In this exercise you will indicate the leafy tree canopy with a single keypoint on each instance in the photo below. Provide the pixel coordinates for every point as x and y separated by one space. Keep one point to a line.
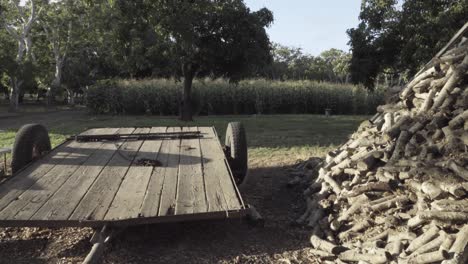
399 36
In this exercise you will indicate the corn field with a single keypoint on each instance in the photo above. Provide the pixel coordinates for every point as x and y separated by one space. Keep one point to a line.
219 97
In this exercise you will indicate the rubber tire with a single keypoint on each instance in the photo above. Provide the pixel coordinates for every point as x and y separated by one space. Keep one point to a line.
236 142
31 142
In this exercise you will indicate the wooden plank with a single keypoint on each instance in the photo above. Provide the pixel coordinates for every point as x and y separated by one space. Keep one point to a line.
30 201
168 199
221 191
191 189
19 183
129 198
95 203
102 131
214 193
151 201
63 202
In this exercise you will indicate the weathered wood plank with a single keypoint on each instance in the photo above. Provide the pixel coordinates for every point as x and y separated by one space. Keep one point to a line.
64 201
95 203
30 201
212 166
217 162
151 201
101 131
190 191
200 203
129 198
169 186
11 189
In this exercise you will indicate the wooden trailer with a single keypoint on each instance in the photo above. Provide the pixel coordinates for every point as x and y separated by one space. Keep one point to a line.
108 178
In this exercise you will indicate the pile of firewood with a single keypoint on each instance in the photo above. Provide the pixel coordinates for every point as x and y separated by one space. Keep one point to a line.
397 191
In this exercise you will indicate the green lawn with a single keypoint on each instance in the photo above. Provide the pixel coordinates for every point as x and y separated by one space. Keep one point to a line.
271 138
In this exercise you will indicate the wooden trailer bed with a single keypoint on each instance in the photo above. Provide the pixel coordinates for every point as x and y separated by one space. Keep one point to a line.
124 182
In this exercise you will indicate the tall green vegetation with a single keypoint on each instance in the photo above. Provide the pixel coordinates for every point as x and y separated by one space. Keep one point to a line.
210 97
398 37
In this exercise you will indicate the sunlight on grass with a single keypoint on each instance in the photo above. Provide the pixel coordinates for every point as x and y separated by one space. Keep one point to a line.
271 138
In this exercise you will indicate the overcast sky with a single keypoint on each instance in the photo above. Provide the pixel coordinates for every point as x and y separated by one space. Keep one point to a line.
313 25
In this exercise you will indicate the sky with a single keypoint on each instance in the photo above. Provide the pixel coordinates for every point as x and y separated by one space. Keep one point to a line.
313 25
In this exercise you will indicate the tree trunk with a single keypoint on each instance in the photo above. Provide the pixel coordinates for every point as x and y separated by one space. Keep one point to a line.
57 80
14 95
186 107
71 97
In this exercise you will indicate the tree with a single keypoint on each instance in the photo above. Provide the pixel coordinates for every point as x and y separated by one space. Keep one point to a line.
220 38
397 37
18 23
57 24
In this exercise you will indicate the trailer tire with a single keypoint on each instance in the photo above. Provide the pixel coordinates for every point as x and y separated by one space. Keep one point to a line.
31 142
236 151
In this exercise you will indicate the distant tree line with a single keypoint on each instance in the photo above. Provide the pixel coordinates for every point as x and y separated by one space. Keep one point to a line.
293 64
395 38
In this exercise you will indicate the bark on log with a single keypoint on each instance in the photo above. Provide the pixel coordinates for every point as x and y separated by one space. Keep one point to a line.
459 120
369 187
397 201
409 88
428 101
430 257
333 184
321 253
431 189
353 255
451 205
448 242
355 207
461 241
451 83
444 216
415 222
370 161
326 246
431 245
400 145
395 130
459 170
423 238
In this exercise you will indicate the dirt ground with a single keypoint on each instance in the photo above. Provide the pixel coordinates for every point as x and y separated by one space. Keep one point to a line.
198 242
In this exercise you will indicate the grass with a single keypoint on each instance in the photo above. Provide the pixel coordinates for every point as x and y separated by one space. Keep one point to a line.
271 138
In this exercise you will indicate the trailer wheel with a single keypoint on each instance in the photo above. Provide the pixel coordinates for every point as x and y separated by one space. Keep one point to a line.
31 142
236 150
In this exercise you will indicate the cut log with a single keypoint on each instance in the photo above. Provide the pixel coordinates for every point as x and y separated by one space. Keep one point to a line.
353 255
423 239
451 83
395 130
459 170
397 201
326 246
431 245
444 216
369 187
431 257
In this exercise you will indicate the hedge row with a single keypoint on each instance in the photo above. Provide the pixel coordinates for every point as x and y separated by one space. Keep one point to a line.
219 97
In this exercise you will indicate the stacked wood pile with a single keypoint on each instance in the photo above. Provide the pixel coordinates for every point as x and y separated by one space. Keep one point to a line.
397 191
